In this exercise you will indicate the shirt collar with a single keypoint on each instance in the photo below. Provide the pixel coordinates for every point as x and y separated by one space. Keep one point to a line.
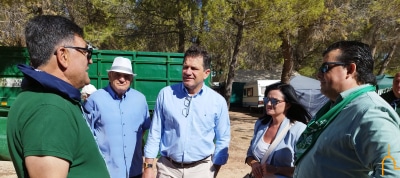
48 82
113 94
202 90
346 93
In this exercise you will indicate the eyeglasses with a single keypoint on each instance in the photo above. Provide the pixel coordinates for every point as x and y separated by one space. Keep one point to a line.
185 111
274 101
327 66
85 51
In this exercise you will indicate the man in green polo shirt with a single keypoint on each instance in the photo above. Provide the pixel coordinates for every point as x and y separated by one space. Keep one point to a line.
46 131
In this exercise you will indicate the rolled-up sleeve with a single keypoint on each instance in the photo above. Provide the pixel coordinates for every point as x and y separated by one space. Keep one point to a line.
377 132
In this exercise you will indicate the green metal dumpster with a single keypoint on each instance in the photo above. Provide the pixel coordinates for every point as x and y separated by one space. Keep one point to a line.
4 155
10 82
10 76
154 70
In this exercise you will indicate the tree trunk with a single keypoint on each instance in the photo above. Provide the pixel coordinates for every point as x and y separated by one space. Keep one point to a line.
287 52
373 49
387 58
373 42
181 33
232 65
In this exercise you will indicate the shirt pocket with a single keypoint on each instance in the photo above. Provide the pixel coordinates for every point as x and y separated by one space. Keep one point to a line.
205 121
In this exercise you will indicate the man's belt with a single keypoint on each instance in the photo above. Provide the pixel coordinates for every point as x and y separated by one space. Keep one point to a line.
186 165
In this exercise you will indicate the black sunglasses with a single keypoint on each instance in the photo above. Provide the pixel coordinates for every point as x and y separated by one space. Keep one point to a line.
274 101
326 66
88 50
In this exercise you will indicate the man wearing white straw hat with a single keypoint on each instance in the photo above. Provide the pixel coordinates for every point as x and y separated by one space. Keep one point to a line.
118 115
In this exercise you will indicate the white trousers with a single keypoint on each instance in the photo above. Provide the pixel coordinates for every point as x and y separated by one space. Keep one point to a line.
166 169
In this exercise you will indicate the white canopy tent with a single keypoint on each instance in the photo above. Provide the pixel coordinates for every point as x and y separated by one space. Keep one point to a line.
309 92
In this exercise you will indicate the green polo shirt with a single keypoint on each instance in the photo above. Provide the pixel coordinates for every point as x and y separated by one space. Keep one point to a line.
46 124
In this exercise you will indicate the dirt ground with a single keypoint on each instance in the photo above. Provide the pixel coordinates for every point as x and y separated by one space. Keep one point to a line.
242 123
7 170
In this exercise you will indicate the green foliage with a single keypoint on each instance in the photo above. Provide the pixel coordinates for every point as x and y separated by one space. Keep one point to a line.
172 25
167 25
308 71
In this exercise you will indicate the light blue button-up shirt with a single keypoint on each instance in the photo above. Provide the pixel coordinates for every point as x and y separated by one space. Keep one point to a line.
191 138
118 126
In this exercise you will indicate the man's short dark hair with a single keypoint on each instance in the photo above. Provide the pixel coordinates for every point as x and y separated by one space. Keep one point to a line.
195 51
43 33
358 53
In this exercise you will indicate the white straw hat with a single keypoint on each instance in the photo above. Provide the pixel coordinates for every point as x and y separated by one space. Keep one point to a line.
88 89
122 65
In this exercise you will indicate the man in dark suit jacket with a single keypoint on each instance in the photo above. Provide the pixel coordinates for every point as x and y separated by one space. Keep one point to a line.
393 96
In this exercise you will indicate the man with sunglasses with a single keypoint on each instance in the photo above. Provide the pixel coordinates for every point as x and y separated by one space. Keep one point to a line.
187 119
352 135
46 131
393 96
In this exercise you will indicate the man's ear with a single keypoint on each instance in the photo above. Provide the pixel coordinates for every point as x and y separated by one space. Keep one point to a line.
207 72
62 57
351 69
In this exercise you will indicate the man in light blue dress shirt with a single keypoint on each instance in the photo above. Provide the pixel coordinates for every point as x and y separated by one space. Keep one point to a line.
118 115
190 125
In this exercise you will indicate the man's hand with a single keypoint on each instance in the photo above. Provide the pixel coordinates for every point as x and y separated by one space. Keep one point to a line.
217 167
148 173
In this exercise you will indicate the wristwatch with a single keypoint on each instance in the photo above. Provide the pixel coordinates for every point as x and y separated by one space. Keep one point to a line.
147 165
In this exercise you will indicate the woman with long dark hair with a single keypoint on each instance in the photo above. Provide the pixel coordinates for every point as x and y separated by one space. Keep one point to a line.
284 120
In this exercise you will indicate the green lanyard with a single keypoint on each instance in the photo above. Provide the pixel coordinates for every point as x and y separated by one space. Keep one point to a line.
322 119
